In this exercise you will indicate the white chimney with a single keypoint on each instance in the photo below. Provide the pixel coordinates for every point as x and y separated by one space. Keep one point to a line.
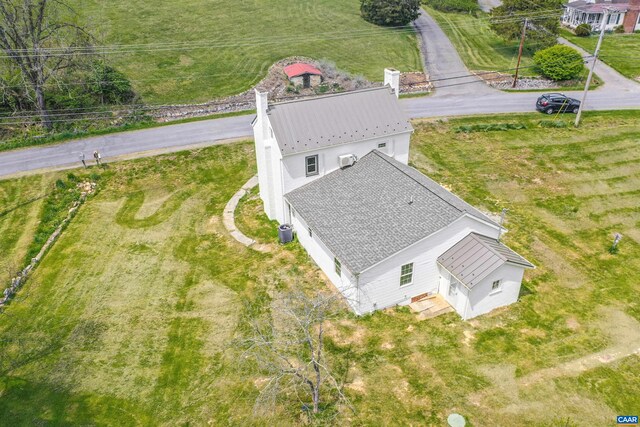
392 78
262 105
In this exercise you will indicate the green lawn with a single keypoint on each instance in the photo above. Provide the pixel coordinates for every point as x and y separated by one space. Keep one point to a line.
480 48
227 46
20 205
131 318
620 51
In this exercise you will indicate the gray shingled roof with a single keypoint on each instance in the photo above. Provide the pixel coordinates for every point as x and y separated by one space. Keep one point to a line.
364 213
599 5
310 124
476 256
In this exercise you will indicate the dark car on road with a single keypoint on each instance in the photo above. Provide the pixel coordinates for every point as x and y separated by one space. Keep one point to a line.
556 102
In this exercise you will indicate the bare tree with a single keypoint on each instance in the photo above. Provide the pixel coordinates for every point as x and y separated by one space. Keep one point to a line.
41 39
288 346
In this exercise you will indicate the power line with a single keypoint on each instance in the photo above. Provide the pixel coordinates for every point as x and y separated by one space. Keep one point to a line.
247 42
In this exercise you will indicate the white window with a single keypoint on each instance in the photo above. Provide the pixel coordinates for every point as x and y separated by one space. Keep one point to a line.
406 274
311 164
382 145
496 285
337 266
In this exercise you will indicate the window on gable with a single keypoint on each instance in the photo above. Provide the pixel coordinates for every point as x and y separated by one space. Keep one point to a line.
311 165
406 274
337 266
496 285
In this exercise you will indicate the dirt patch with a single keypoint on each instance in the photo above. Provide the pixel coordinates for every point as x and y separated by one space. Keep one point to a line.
573 324
345 332
387 346
468 337
357 385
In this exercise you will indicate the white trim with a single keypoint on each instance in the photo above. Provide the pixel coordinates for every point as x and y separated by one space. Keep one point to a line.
346 143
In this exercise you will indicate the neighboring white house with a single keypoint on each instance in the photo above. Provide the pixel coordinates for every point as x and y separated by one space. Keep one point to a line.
592 12
382 232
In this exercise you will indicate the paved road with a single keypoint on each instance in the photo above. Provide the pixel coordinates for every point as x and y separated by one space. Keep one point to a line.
441 61
472 97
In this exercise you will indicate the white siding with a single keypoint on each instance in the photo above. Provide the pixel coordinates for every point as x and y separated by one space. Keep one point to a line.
380 285
346 282
277 175
294 171
482 299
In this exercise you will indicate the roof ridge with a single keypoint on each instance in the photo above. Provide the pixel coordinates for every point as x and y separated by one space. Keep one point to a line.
331 95
476 236
388 160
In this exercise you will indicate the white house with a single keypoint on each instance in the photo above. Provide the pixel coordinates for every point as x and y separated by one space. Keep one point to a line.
300 141
592 12
383 233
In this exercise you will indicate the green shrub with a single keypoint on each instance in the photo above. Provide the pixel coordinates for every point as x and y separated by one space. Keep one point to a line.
469 6
619 29
552 124
559 62
489 127
583 30
390 13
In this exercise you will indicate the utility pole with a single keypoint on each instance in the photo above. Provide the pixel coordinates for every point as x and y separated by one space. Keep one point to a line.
524 33
593 65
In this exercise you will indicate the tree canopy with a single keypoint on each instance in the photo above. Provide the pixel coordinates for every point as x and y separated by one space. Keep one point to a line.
543 18
40 39
390 13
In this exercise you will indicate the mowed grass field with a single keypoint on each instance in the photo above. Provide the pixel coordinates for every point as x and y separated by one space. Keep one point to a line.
200 50
131 318
620 51
478 46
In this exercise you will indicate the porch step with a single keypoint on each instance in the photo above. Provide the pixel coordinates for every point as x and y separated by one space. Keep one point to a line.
430 314
430 307
422 305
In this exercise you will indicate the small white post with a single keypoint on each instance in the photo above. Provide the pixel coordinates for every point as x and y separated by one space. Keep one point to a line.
392 78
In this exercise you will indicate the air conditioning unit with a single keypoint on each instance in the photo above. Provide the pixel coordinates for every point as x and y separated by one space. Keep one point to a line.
347 160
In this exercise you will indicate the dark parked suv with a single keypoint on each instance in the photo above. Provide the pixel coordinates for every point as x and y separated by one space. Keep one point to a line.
553 102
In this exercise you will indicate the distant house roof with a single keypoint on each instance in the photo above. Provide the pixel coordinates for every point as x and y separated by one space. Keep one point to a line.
599 5
298 69
475 257
369 211
329 120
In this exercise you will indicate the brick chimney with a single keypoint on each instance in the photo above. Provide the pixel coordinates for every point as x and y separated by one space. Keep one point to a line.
631 17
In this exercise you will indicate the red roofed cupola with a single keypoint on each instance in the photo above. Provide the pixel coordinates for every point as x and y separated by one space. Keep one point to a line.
302 74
